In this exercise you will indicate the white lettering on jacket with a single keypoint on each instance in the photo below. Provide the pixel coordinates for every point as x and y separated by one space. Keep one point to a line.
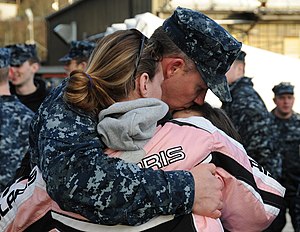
163 158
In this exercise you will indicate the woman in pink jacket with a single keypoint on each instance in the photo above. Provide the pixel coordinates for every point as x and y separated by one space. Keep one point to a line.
252 198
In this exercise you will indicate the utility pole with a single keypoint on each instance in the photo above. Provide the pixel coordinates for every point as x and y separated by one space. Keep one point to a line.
29 15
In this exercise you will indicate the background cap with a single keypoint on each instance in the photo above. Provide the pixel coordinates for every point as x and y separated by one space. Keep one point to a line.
241 56
4 57
208 44
283 88
79 49
21 53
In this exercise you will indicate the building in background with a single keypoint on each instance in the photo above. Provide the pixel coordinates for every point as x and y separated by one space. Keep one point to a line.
272 25
85 18
23 21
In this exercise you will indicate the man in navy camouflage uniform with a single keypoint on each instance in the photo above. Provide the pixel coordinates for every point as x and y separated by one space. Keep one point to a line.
287 132
14 125
65 145
30 90
251 118
77 56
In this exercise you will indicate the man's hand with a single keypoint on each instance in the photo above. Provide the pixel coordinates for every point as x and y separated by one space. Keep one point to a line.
208 195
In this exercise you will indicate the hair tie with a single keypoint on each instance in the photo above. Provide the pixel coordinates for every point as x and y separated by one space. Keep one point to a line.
90 79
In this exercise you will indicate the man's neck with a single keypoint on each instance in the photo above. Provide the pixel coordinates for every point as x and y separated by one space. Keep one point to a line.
4 89
26 89
280 115
234 79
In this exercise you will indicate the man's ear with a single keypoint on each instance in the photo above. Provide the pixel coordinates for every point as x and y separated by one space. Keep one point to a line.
143 85
10 72
171 66
35 67
241 68
82 65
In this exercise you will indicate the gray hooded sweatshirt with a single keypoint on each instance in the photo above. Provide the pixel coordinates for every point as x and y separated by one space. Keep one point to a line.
129 125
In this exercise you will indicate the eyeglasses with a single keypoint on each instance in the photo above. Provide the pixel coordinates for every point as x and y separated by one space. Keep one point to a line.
139 56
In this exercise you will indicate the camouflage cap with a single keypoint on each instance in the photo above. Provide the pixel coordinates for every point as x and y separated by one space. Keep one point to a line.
283 88
21 53
79 49
208 44
4 57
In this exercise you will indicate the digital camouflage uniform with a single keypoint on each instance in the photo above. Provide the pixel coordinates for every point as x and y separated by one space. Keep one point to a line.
65 145
287 134
253 122
78 49
14 128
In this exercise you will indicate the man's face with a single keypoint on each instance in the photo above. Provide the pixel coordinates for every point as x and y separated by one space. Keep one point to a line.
23 73
284 103
184 89
70 66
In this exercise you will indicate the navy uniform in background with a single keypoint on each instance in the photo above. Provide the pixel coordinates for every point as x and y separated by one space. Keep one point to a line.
25 63
251 118
14 125
78 55
287 132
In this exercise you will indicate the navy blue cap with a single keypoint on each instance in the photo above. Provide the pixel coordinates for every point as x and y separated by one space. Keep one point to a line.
4 57
208 44
21 53
283 88
79 49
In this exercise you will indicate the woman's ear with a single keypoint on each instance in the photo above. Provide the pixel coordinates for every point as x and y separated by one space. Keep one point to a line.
143 85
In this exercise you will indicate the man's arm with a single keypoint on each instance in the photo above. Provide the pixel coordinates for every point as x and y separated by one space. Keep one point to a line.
109 191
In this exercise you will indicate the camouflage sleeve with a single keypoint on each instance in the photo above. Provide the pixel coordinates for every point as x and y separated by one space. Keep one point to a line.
108 191
81 178
14 128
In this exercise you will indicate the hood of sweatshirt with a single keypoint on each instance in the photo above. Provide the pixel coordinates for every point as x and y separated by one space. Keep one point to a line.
127 126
